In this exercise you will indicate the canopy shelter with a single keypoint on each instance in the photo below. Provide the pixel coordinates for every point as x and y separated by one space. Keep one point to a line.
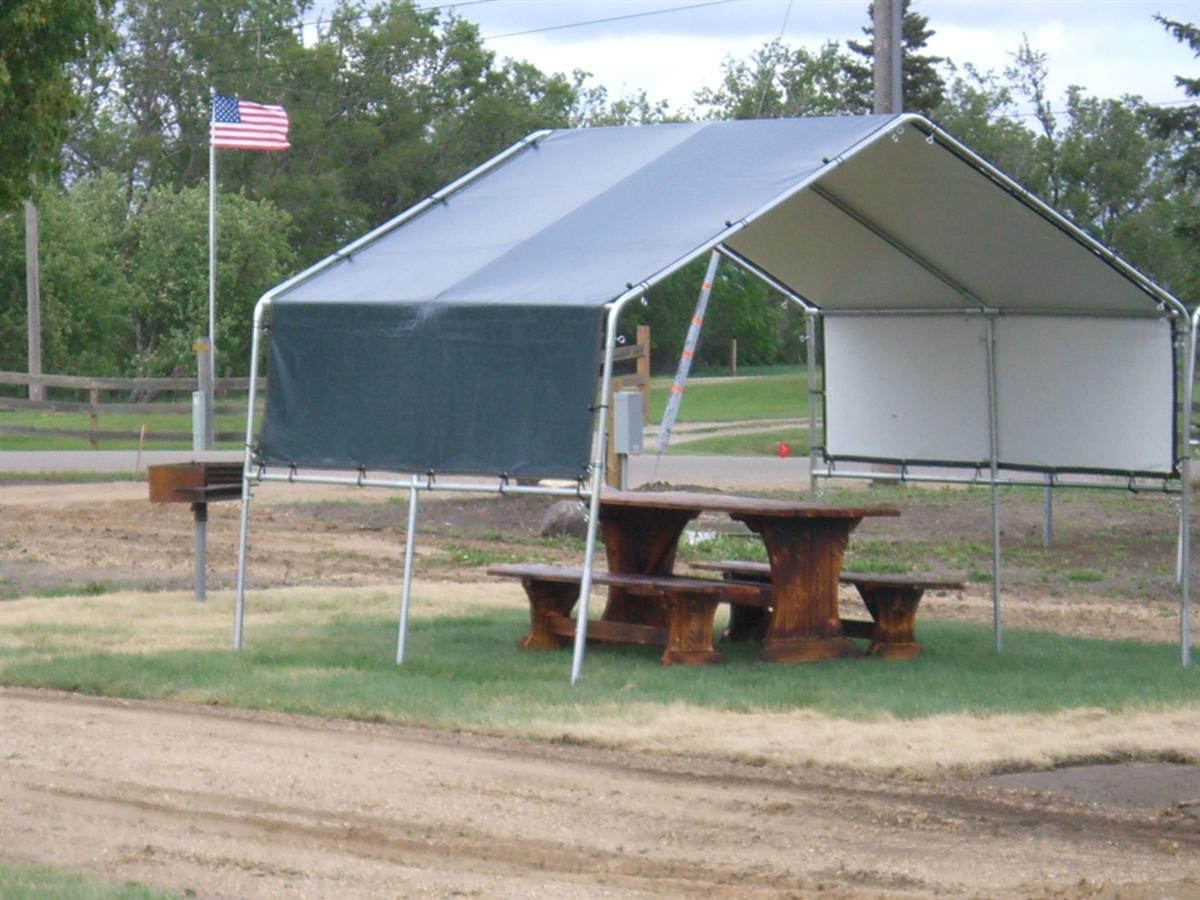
965 323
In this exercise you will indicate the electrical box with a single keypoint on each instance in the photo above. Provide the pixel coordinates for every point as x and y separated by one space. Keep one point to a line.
199 421
627 422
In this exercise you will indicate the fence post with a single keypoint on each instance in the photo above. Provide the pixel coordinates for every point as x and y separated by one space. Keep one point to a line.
94 418
204 375
733 356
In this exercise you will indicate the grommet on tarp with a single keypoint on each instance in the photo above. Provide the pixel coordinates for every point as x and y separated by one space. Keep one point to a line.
362 475
262 469
503 482
1133 488
430 475
903 472
291 473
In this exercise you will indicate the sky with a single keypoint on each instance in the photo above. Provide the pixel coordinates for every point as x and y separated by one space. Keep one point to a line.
1109 47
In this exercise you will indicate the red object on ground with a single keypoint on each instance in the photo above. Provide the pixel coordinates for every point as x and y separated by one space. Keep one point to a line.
783 449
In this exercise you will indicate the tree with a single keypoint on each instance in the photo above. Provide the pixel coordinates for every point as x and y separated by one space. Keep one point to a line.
923 86
777 81
124 288
38 38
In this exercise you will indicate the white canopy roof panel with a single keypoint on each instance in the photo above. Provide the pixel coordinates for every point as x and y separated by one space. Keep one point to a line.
848 212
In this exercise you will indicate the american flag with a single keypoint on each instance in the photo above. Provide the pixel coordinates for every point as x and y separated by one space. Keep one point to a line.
243 125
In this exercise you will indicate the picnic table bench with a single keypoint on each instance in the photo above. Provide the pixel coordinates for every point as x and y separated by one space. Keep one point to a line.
690 605
892 601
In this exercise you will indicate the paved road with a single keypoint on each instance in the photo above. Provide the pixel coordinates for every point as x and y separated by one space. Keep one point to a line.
715 471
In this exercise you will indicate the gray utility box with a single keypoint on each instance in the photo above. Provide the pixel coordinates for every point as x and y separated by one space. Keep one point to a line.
627 423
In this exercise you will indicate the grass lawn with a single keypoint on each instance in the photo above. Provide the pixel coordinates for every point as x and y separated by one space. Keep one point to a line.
331 653
42 883
782 396
761 443
123 422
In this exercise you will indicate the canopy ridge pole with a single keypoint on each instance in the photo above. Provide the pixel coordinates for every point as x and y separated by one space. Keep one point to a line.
589 552
239 603
994 452
847 210
686 354
1024 195
409 547
765 276
810 356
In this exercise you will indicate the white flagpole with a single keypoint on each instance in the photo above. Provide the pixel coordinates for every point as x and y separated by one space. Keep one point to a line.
211 388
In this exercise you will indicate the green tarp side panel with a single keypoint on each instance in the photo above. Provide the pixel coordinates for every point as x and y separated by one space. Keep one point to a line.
470 390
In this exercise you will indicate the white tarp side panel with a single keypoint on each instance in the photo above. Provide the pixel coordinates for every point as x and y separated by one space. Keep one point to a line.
537 187
976 232
833 262
907 388
587 212
1086 393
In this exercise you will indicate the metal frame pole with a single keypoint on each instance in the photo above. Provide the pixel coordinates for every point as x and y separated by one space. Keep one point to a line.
589 552
810 327
409 546
994 450
1048 511
239 604
200 519
210 388
1185 502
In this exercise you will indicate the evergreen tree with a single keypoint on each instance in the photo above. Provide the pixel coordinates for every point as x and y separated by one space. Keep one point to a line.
924 88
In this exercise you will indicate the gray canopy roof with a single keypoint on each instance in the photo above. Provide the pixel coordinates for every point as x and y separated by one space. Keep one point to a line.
848 212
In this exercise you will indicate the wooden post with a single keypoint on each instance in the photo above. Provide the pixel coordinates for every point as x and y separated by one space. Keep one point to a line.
612 462
643 369
94 417
33 300
888 68
733 356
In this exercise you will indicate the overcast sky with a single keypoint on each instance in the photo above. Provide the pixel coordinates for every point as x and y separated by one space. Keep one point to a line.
1110 47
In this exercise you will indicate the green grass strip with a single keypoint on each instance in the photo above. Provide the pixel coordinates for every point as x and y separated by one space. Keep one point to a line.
42 883
467 671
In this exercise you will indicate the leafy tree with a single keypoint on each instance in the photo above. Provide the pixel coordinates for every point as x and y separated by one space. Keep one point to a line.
923 86
37 40
125 289
168 276
1183 122
777 81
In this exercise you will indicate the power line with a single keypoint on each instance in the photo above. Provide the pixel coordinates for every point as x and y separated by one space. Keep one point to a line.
621 18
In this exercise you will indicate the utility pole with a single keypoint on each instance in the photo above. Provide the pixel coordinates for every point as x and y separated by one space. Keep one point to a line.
33 299
889 49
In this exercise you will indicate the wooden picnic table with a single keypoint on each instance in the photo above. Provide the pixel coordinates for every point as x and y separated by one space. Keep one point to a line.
805 543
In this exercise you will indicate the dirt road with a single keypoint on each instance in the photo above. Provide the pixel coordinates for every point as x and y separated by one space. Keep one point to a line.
232 804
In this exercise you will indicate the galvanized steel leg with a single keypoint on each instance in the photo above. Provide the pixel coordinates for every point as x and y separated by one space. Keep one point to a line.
1048 512
810 354
994 440
239 602
200 518
589 551
409 546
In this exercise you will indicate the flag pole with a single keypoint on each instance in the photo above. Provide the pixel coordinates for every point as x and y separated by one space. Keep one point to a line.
210 389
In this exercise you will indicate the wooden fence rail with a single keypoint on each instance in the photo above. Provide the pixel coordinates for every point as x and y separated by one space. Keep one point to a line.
94 407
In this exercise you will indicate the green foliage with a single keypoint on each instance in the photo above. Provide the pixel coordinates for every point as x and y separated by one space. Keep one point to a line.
779 81
37 40
125 288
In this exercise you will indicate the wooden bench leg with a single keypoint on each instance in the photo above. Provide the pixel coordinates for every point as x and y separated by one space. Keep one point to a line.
690 628
548 601
894 610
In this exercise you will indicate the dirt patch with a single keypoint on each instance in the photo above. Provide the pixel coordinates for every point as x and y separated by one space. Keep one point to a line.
236 804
